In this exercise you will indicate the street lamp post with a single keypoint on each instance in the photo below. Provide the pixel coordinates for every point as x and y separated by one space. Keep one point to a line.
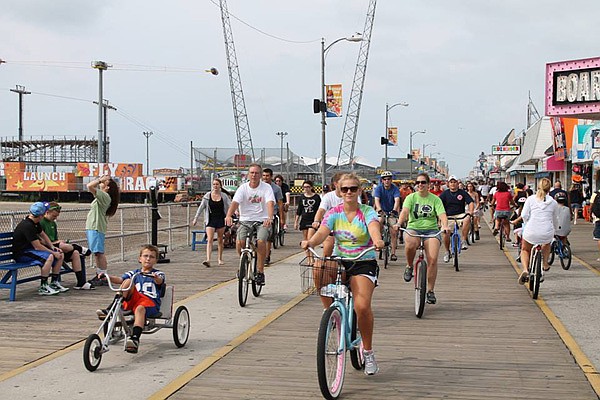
323 105
105 107
21 91
147 134
282 135
410 150
387 111
100 66
426 146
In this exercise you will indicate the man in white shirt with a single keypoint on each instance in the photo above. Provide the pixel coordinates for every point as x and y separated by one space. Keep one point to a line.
255 201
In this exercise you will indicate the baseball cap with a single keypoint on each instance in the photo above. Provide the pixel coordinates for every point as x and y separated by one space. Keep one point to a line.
39 208
452 177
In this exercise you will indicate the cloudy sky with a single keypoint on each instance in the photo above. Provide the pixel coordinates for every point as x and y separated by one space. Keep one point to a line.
465 67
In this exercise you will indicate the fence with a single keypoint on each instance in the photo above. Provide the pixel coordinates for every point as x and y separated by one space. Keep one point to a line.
128 229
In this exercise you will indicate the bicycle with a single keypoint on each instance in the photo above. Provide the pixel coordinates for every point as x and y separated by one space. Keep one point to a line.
562 250
420 272
338 329
384 254
501 233
248 267
275 228
281 236
456 240
118 325
535 270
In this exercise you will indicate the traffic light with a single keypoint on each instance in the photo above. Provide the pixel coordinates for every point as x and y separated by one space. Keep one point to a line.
384 141
409 156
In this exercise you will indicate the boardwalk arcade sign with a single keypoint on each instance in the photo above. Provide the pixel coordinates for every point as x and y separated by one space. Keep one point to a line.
573 89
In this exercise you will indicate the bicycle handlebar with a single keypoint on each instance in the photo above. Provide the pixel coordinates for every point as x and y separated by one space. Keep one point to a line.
338 258
120 289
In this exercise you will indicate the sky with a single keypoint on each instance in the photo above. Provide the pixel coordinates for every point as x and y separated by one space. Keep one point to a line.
465 67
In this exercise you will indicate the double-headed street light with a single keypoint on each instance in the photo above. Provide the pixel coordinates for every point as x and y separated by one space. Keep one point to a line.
386 139
323 105
410 150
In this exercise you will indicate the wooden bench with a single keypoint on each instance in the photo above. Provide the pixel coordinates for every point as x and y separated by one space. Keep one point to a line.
13 273
198 234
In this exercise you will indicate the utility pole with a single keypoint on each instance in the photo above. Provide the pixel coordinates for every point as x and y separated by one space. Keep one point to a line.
100 66
147 134
282 135
21 91
105 107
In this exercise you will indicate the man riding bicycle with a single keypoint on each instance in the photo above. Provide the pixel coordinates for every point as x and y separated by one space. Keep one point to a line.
455 202
256 201
387 200
267 177
422 210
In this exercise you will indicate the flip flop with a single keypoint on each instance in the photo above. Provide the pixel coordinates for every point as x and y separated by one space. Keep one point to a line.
206 264
523 278
221 262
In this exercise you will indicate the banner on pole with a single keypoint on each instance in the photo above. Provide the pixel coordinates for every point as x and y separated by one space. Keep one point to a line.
392 137
334 100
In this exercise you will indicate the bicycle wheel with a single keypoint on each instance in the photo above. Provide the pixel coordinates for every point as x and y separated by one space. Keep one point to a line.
275 233
386 256
331 362
472 234
456 244
281 236
243 279
256 289
501 233
536 275
181 326
565 259
420 287
92 352
553 250
356 354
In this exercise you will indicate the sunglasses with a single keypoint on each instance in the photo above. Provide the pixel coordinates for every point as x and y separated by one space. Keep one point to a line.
421 182
386 179
57 208
345 189
307 187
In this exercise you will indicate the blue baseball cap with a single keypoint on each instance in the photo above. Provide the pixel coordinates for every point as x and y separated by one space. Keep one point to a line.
38 209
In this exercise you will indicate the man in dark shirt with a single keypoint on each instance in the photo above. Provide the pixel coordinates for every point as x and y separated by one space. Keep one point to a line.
558 189
31 244
455 202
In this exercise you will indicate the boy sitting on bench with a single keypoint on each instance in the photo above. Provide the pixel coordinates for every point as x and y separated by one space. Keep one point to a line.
143 298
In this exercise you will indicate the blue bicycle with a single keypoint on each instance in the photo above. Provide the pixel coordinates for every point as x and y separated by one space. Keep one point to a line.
338 330
456 240
562 250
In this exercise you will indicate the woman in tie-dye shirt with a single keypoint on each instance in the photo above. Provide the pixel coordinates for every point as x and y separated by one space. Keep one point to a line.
355 228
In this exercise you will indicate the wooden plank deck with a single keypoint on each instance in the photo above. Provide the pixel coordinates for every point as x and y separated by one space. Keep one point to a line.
485 338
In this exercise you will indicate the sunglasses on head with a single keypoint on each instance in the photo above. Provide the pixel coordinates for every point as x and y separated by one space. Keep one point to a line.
421 182
345 189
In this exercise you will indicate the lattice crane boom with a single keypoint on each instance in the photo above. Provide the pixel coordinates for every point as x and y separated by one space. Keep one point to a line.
240 115
351 122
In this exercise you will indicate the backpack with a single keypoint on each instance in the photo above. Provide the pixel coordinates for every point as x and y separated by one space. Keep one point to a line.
596 205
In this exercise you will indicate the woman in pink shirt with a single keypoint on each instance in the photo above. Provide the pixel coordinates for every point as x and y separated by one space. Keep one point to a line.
503 201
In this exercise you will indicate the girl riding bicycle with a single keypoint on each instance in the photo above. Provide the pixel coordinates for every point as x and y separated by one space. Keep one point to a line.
355 228
502 201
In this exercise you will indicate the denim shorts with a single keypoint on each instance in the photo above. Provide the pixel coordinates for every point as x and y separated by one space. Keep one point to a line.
427 232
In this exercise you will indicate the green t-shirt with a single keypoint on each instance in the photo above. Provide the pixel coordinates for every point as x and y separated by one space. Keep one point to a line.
96 219
423 211
50 229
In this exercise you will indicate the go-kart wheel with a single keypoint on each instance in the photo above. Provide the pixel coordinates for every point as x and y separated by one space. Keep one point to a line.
181 326
92 352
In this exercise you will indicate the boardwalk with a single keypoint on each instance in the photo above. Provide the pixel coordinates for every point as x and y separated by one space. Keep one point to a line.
485 338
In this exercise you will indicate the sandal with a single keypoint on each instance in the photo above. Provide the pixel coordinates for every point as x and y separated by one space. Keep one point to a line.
523 278
206 264
221 262
393 257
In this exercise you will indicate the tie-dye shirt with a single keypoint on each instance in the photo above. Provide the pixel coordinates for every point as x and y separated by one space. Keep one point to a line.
351 237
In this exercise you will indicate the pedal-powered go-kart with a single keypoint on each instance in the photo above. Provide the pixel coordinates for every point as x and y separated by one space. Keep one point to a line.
118 325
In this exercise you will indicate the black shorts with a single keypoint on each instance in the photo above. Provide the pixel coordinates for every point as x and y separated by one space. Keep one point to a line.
364 267
216 223
304 225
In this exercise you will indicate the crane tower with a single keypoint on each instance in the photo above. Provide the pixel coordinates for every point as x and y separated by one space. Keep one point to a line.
351 122
240 117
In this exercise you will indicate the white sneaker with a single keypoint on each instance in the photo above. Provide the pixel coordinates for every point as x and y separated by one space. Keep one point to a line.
85 286
57 286
46 290
447 257
85 251
371 367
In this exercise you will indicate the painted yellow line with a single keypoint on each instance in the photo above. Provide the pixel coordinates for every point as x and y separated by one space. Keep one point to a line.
585 264
217 355
79 344
587 367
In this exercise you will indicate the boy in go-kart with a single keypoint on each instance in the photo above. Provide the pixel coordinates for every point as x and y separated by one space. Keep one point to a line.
144 296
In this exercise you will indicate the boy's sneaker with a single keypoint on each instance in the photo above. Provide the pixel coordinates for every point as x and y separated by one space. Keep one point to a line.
408 273
46 290
102 313
431 297
259 278
371 367
57 286
85 286
85 251
132 345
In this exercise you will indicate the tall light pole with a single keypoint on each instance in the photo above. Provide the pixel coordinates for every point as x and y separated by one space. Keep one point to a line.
410 150
282 135
323 105
100 66
426 146
105 107
147 134
21 91
386 144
